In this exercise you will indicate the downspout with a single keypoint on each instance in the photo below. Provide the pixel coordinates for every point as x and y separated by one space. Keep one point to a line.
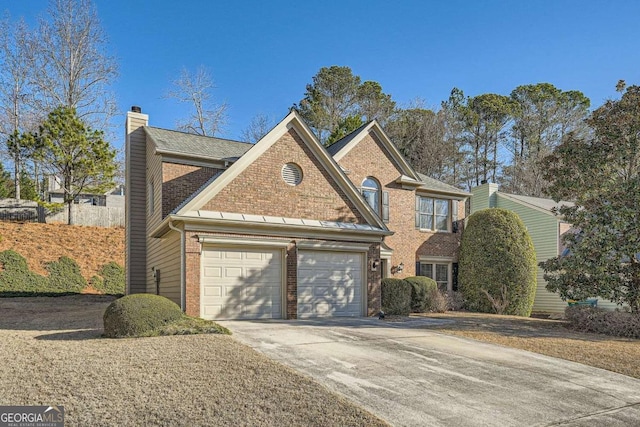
183 289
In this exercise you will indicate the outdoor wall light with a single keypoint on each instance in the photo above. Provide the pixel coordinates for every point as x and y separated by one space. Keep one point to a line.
397 269
374 264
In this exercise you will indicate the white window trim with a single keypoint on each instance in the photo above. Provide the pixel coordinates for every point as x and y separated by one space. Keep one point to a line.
378 191
449 215
440 260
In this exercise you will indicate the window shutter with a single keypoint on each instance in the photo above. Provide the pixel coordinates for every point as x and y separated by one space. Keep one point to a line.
454 276
418 269
385 206
454 216
417 211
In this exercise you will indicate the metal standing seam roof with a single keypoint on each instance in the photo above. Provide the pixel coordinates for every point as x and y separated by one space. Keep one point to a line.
186 144
281 220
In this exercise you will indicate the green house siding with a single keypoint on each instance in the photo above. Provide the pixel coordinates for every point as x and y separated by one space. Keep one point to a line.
544 229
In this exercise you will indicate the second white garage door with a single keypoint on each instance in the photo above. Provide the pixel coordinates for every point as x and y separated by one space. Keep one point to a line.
330 283
239 283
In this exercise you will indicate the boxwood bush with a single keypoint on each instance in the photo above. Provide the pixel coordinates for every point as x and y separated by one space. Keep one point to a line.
111 280
16 278
396 296
497 266
421 287
139 315
65 276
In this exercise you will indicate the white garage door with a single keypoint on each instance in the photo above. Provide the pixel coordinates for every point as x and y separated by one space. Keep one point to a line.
239 283
329 284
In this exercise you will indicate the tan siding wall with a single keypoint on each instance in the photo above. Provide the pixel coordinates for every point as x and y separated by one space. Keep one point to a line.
154 245
260 189
369 159
167 260
135 213
544 230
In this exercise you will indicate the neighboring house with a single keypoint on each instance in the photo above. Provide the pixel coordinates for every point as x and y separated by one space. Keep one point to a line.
283 228
545 228
112 198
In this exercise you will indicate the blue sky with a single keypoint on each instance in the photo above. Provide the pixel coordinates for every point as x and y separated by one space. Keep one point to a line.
263 53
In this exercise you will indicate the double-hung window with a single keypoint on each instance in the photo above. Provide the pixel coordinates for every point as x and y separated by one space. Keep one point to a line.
440 272
432 213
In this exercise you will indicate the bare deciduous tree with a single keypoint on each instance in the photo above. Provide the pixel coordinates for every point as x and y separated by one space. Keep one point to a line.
260 125
70 63
207 118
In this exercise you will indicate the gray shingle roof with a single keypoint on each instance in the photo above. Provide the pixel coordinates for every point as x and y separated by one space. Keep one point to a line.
185 144
546 204
341 143
439 186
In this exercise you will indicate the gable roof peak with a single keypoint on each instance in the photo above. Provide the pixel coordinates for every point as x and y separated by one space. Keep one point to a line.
343 146
291 120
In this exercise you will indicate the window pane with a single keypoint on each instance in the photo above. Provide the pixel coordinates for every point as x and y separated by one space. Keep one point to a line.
426 270
441 223
442 207
426 205
370 183
426 221
372 199
442 272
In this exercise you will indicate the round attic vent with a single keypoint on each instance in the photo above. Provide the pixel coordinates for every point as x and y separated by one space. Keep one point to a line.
292 174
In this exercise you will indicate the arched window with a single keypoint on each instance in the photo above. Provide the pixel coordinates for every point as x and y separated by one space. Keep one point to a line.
371 193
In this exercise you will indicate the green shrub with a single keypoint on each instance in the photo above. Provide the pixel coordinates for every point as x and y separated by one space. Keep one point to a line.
599 321
112 280
64 276
16 279
497 266
420 287
396 296
139 315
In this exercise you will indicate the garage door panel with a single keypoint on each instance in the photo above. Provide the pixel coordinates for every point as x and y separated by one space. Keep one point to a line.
212 271
212 291
329 283
241 283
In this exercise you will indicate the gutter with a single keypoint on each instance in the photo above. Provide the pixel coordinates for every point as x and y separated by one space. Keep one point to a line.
183 289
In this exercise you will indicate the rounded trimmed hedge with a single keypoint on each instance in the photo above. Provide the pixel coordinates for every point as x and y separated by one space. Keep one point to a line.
497 255
139 315
396 296
421 289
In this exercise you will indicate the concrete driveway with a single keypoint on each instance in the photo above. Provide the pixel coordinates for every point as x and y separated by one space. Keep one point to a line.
411 376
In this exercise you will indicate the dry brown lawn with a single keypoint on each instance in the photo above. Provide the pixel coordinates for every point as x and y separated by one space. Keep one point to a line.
549 337
51 353
90 247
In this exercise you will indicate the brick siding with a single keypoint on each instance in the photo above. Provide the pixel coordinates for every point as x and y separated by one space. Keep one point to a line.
369 159
260 189
180 182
